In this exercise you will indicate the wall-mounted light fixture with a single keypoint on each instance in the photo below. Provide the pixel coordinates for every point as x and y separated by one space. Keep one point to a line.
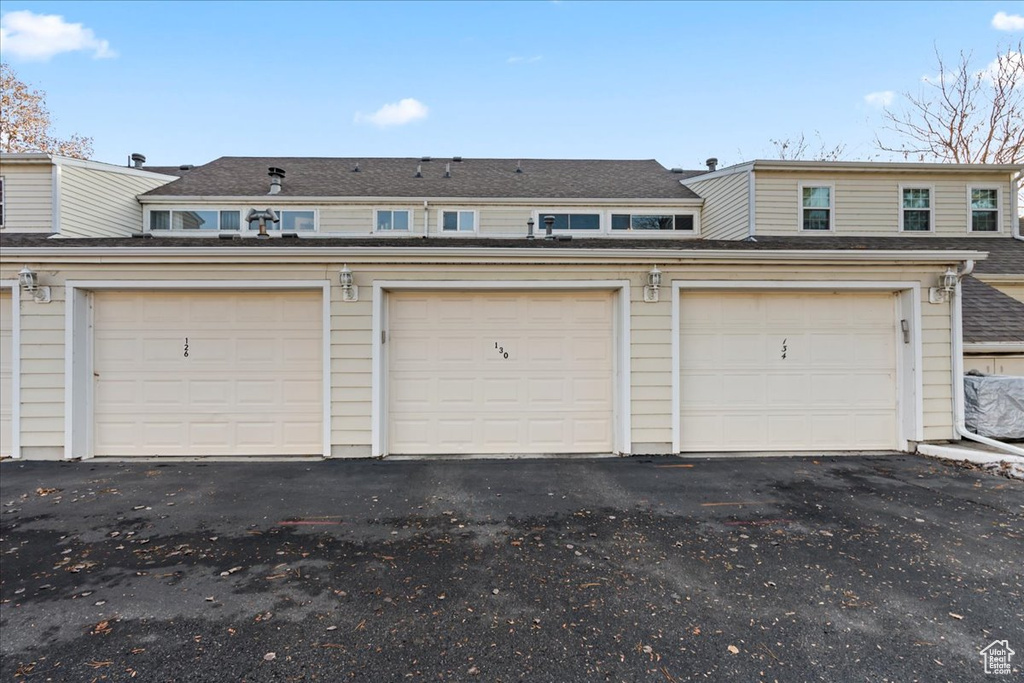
29 281
947 285
652 286
349 291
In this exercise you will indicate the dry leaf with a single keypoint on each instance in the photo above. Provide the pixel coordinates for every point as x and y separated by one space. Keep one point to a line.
733 649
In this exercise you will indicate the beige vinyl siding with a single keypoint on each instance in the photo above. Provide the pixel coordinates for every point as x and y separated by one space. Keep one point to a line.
96 203
351 334
1014 289
28 197
726 211
869 203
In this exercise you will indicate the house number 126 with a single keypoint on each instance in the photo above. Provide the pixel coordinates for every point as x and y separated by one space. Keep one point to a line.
186 347
501 350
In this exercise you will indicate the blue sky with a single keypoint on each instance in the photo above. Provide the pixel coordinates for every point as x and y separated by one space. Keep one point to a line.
189 82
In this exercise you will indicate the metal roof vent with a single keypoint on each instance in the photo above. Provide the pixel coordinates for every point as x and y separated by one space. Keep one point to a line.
457 159
448 170
712 163
138 160
419 171
276 176
186 167
519 167
675 170
424 158
355 169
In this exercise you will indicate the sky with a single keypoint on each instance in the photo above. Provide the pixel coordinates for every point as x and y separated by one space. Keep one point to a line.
678 82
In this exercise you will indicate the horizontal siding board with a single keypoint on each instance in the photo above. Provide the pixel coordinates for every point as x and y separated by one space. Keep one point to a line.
97 203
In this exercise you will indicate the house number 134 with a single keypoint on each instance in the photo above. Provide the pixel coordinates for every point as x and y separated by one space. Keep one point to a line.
501 350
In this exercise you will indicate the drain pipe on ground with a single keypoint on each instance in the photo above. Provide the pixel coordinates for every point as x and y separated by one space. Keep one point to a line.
958 371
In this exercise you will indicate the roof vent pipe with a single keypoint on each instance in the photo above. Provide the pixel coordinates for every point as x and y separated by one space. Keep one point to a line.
276 176
712 163
448 170
138 160
419 171
519 167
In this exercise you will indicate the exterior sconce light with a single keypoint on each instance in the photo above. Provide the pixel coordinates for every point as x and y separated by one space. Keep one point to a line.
29 281
652 286
947 285
529 229
349 291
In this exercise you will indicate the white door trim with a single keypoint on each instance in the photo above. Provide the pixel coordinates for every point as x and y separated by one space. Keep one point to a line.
909 357
15 397
622 441
78 404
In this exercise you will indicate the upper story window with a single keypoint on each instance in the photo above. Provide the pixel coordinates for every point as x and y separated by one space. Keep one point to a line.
570 221
458 221
291 221
634 221
916 209
984 208
3 204
388 220
816 207
197 219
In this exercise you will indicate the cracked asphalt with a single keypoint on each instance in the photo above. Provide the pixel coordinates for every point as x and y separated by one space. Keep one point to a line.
882 568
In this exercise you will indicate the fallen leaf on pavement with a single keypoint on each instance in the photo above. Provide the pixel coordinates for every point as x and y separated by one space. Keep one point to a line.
733 649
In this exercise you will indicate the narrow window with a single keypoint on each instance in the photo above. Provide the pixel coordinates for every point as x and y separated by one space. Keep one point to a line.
985 210
917 209
570 221
458 221
622 221
392 220
297 221
230 220
817 208
159 220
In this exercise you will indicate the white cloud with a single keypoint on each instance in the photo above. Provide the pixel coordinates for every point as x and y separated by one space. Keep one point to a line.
1011 61
882 98
1008 22
30 36
395 114
524 60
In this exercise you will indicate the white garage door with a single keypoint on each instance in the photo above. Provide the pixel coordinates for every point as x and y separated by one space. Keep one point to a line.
6 366
208 373
500 372
787 371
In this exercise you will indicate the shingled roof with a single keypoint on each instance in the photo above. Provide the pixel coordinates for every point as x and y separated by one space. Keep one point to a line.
396 177
990 315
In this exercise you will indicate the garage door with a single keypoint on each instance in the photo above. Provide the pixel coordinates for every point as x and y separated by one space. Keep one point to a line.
787 371
208 373
6 366
500 372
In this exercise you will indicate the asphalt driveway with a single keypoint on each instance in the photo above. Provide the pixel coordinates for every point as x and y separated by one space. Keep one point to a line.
660 569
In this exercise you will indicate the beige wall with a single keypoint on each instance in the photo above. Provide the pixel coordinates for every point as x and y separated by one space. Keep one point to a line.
869 203
726 210
43 352
1010 288
995 364
28 197
98 203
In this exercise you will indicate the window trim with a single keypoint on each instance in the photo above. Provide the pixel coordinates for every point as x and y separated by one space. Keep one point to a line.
412 222
903 210
243 225
458 221
831 205
998 210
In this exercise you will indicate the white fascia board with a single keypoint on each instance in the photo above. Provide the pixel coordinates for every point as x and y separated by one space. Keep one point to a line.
392 254
1000 277
321 200
710 175
993 347
882 166
26 158
112 168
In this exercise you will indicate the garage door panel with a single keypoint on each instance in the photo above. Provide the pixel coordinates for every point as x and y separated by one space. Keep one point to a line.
786 370
250 385
555 371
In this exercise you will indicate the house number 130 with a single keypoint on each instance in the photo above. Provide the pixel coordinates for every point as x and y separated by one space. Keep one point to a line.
501 350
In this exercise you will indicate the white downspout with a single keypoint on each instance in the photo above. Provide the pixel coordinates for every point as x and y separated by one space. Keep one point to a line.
1015 187
426 219
958 372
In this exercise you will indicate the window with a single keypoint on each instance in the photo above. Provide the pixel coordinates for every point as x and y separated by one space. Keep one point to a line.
625 221
3 204
290 221
984 209
458 221
183 219
816 205
570 221
915 209
393 220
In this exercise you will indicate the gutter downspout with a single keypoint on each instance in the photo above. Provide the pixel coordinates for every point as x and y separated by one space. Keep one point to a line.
1015 186
958 372
426 219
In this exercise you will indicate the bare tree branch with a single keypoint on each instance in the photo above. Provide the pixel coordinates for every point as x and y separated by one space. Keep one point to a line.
25 122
